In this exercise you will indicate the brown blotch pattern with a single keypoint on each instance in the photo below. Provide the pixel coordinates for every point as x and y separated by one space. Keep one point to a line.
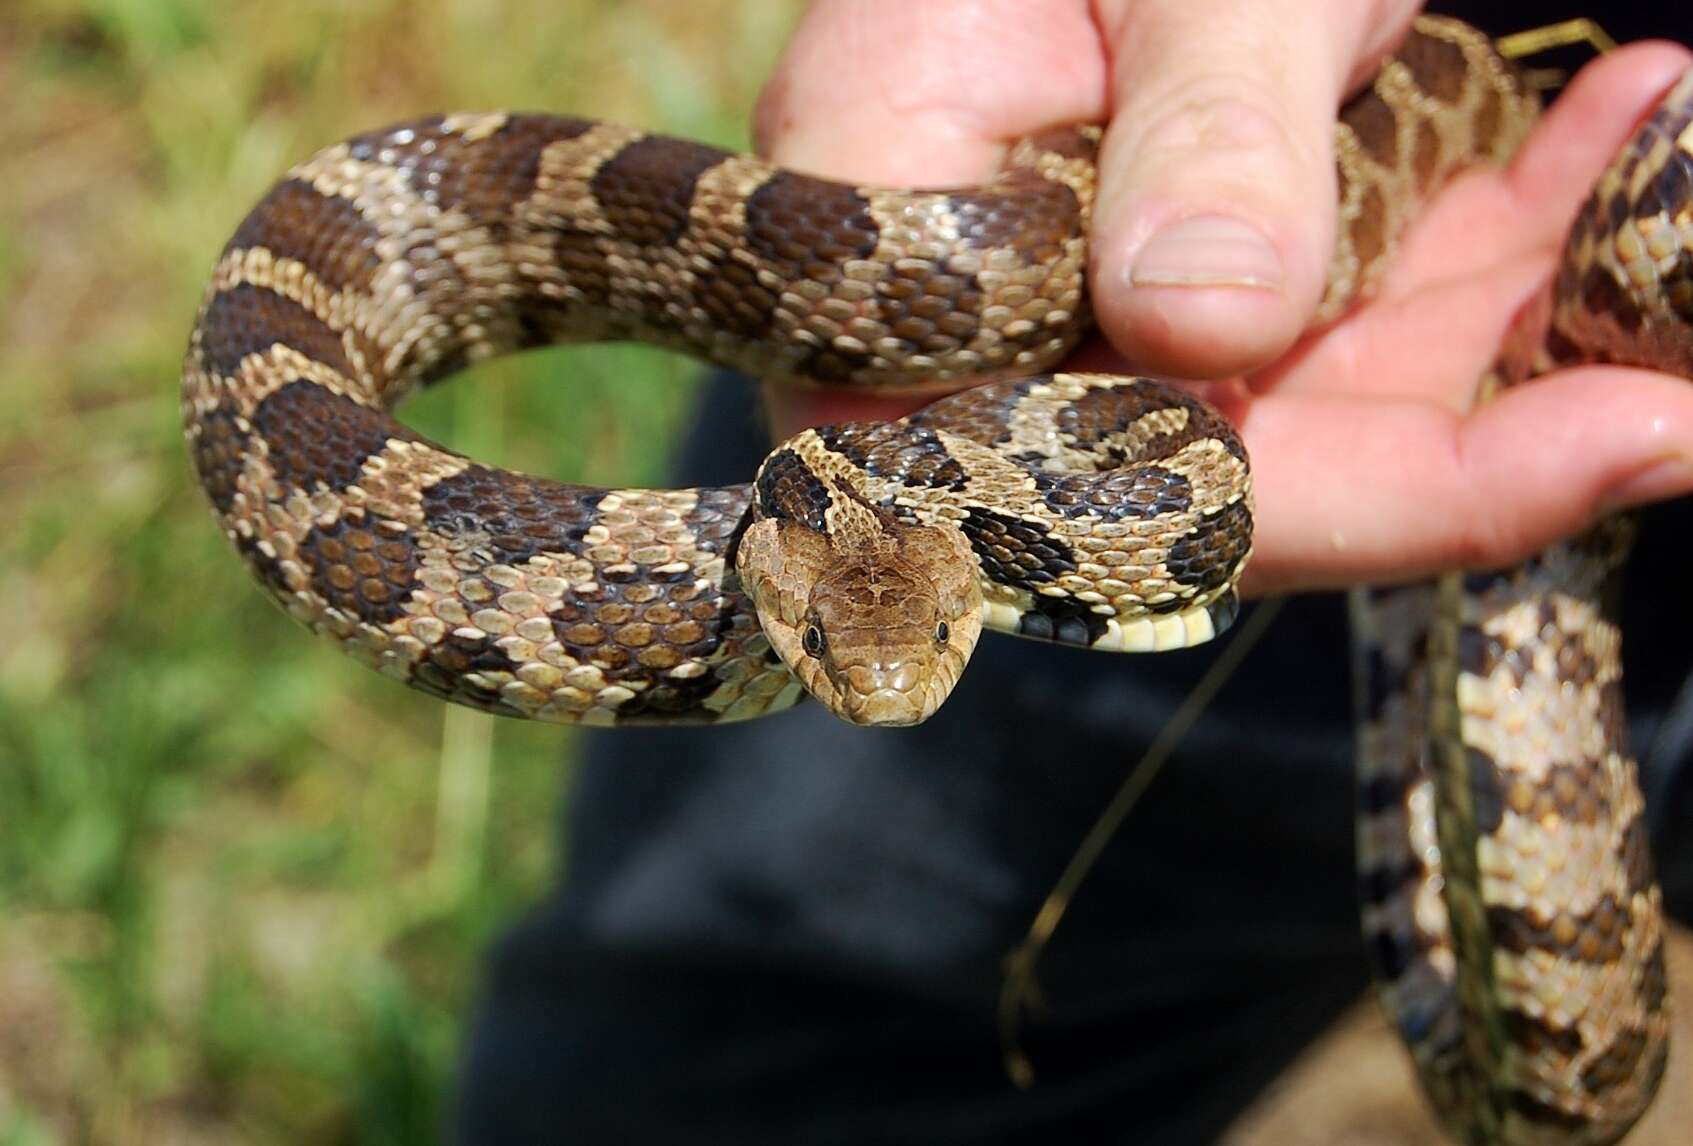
1654 987
1104 416
1027 214
788 489
1619 1064
1489 792
1596 936
483 177
1369 238
806 228
363 567
462 668
1013 551
315 437
1537 1036
1437 65
1139 494
265 566
1635 855
219 451
519 516
1568 794
977 413
1376 126
1489 119
325 233
1065 142
644 191
248 319
1538 1112
913 456
635 630
1207 558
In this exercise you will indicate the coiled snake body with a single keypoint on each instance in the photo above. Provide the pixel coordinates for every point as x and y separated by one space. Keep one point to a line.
862 561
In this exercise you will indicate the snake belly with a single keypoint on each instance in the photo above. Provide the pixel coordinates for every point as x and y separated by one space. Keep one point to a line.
1106 513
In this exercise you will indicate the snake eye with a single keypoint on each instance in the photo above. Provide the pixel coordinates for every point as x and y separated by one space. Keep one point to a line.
812 640
943 633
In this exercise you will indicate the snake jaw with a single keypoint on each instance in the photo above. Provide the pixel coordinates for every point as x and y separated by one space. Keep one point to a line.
879 633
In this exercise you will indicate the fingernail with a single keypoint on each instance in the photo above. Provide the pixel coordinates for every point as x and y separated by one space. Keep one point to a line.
1209 250
1670 477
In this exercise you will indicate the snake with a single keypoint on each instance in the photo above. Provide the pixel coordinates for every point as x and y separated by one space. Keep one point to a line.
1508 898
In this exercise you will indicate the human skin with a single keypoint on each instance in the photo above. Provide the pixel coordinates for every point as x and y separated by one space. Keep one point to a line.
1369 464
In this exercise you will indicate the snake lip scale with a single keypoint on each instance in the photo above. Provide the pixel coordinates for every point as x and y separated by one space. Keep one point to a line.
1508 896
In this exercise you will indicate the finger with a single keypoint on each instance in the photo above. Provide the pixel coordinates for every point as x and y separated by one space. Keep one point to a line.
1600 109
1485 246
898 93
1384 490
1215 221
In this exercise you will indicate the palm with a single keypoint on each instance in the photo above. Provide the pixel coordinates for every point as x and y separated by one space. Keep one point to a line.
1368 465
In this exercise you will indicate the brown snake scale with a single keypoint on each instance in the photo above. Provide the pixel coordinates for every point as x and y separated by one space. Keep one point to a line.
1508 895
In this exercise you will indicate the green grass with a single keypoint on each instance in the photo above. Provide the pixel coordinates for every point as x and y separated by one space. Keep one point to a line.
244 883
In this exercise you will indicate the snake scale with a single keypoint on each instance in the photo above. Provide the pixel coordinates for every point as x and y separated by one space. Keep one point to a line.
1509 900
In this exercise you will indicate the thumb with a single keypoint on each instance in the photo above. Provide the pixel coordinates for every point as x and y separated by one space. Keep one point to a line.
1215 219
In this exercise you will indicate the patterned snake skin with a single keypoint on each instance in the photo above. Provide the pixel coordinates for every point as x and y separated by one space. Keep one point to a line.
1513 917
862 561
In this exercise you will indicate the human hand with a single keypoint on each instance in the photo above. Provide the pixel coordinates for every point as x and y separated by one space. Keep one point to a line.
1367 466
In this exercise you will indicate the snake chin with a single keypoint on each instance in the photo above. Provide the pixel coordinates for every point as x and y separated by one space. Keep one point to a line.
878 632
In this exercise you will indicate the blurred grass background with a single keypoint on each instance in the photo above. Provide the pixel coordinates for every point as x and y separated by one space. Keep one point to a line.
245 884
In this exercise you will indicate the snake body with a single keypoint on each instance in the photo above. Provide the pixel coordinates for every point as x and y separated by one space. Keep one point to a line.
1103 512
861 561
1510 903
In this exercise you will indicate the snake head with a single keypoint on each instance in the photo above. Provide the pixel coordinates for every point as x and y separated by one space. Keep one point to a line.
879 630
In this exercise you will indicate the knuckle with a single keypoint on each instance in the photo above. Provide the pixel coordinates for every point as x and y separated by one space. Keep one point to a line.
1217 121
1491 534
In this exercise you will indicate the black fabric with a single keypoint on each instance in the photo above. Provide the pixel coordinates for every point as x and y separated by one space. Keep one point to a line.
793 931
